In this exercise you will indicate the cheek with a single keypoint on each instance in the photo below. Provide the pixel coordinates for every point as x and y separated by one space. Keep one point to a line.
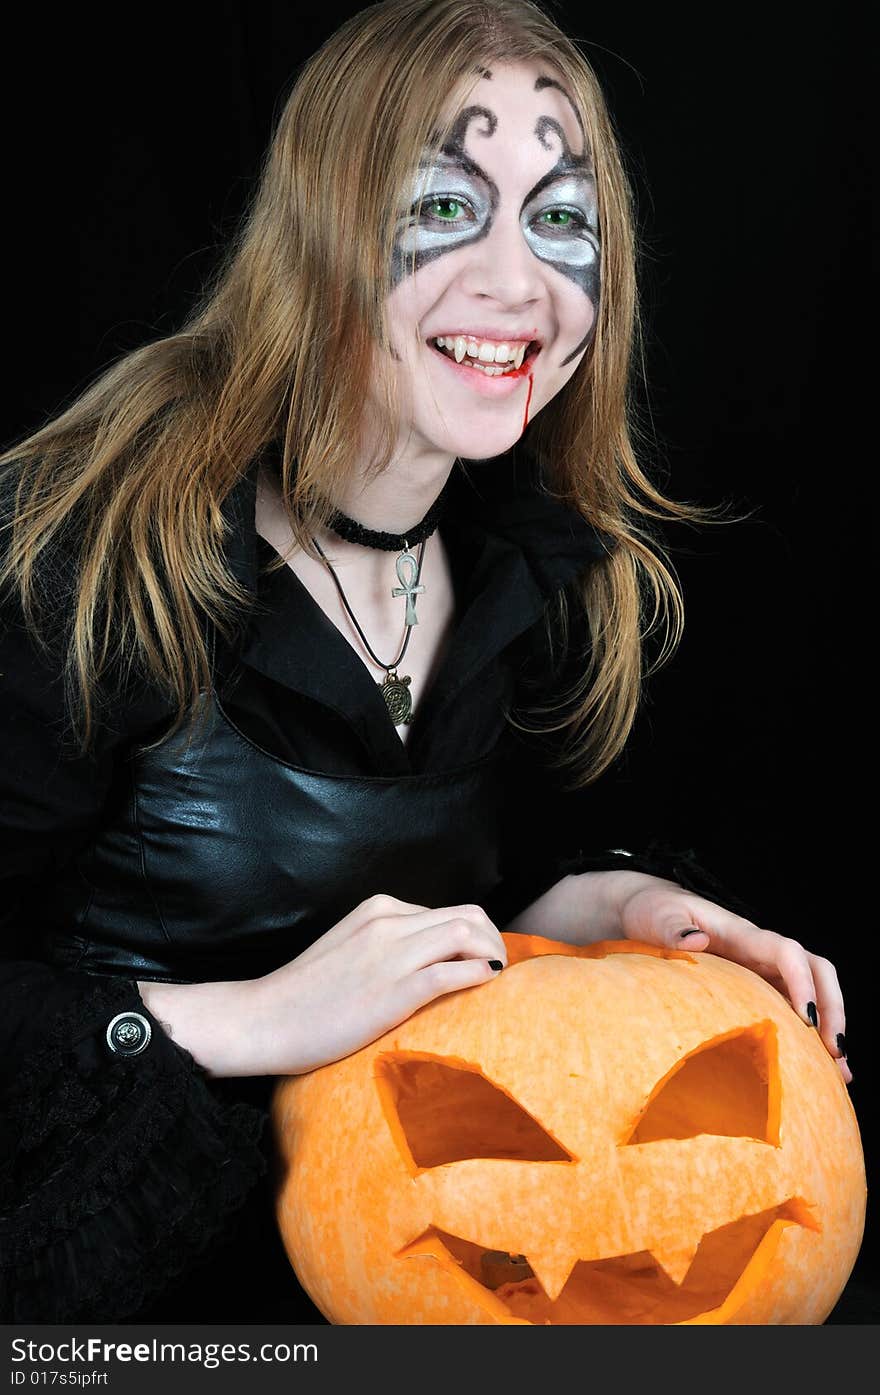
587 314
410 304
578 312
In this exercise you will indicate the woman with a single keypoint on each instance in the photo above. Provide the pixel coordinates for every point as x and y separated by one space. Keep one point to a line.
299 700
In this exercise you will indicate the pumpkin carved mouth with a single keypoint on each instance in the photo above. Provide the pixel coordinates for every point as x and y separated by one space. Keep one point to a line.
625 1289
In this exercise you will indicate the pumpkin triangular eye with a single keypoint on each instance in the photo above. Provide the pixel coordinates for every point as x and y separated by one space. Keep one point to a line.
443 1111
727 1086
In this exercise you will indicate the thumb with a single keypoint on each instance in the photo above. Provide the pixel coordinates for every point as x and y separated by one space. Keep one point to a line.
663 918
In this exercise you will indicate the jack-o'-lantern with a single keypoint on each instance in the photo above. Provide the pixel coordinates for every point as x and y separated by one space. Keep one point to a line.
612 1134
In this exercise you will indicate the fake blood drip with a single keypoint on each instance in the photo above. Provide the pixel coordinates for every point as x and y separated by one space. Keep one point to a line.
528 400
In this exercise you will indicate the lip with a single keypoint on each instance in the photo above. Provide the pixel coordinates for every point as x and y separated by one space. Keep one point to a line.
497 336
501 386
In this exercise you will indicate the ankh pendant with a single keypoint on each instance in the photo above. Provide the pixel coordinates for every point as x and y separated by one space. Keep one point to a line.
408 588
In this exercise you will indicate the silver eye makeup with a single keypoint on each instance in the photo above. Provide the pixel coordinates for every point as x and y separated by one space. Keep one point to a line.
428 233
558 219
560 224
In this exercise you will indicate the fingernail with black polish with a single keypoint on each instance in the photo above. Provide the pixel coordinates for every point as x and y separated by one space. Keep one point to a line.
841 1043
812 1014
495 964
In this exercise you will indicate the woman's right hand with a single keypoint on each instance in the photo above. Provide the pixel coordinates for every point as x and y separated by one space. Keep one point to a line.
369 972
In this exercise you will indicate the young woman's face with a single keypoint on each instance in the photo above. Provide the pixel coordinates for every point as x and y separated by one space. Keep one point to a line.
507 253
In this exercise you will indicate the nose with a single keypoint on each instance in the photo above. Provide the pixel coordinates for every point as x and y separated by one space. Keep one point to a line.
502 266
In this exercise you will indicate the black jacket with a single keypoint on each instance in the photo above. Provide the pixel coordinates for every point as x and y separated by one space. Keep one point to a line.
224 859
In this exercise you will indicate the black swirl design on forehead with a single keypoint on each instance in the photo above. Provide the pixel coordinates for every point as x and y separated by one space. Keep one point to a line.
454 147
566 159
543 82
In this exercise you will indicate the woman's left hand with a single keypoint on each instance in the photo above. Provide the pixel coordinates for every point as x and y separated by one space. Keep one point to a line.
662 913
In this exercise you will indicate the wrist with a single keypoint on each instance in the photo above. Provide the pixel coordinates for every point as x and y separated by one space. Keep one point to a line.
619 888
598 899
588 906
582 907
208 1020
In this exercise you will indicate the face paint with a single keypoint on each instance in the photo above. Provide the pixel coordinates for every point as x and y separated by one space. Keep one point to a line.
455 180
579 168
512 194
573 245
475 192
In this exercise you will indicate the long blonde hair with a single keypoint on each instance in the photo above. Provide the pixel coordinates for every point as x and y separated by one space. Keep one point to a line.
130 480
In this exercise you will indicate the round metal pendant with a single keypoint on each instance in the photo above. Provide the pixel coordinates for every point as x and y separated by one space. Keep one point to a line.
398 698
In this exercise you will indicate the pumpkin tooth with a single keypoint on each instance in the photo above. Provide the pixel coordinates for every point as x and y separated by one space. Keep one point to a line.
675 1260
551 1270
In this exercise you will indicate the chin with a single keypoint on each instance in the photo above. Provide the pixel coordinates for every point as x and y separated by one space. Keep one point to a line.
482 443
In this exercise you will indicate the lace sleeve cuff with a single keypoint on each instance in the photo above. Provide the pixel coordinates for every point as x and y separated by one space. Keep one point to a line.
120 1164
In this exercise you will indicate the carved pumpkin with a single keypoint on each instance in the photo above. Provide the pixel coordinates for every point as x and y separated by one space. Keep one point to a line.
608 1134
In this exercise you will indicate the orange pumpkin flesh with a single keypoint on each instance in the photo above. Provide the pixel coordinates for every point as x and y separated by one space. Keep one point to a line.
603 1134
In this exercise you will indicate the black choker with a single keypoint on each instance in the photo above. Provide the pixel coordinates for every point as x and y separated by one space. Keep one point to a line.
347 528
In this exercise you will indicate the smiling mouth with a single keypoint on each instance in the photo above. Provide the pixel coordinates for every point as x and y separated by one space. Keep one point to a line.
496 371
630 1289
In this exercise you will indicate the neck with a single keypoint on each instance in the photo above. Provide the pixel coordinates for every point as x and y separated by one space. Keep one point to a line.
397 499
401 496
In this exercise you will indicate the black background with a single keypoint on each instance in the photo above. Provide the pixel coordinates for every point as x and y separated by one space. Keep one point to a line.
129 157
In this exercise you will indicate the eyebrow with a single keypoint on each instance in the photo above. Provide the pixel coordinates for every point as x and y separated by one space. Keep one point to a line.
450 158
469 167
557 176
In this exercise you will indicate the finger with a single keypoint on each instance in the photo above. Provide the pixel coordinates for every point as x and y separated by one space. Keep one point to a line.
664 920
793 965
366 912
424 917
445 976
691 937
456 938
382 904
678 928
829 1001
777 958
392 922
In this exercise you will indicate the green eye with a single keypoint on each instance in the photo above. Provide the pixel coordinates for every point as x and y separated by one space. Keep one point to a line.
569 218
453 205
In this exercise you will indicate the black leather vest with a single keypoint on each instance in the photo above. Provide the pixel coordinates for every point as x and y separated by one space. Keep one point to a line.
219 861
